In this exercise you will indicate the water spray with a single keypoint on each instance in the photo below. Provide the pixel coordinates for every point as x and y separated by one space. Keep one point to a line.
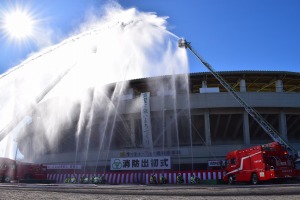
9 127
130 37
17 119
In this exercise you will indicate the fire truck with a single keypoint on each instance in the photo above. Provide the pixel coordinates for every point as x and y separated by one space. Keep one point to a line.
14 170
259 163
263 162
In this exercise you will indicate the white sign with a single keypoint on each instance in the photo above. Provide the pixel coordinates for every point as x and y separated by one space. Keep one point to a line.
146 120
210 90
214 163
64 166
140 163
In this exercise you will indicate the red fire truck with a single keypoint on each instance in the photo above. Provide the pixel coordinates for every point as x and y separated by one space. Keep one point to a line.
260 163
14 170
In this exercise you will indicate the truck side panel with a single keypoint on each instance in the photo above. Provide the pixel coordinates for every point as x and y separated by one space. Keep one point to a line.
250 162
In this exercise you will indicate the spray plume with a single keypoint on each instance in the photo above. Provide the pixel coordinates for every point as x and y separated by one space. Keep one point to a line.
123 44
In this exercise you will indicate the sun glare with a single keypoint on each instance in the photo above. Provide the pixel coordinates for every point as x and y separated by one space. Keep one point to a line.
18 24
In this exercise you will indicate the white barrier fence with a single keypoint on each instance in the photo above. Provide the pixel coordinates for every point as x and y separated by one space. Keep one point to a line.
139 177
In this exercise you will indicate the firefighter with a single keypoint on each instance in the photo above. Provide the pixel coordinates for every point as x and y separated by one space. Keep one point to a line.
197 179
179 179
67 180
153 179
92 179
95 180
163 179
192 179
73 180
102 179
84 179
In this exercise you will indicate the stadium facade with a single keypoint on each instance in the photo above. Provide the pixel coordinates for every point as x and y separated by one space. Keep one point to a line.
191 129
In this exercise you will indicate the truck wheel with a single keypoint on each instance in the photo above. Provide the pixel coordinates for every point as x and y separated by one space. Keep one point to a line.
230 180
254 179
7 179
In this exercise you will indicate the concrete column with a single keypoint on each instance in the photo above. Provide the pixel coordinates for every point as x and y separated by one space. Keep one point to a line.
169 118
282 125
204 84
279 86
243 85
57 143
246 132
207 128
132 132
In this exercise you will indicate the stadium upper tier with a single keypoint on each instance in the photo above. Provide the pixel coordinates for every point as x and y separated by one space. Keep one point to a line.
256 81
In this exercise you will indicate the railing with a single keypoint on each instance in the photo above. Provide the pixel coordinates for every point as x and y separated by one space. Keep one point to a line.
141 177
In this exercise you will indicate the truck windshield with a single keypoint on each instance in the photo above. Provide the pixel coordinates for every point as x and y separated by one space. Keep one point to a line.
227 162
233 161
230 162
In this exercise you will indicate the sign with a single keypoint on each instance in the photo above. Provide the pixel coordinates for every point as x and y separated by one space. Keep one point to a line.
64 166
214 163
140 163
142 153
146 120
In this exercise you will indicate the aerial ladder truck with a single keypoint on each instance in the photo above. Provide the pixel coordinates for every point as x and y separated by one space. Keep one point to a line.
243 168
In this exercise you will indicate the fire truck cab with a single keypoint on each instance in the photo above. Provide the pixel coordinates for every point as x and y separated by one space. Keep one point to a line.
259 163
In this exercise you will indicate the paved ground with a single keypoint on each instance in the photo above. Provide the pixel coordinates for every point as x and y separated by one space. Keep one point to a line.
120 192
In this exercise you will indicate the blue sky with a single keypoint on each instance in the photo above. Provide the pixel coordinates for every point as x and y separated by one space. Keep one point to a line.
229 34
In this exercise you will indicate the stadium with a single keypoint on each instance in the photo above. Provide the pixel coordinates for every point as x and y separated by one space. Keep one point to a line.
191 125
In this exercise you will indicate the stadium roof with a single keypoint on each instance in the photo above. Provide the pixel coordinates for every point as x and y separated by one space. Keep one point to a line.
256 81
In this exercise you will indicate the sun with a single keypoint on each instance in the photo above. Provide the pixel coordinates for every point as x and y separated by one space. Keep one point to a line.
18 24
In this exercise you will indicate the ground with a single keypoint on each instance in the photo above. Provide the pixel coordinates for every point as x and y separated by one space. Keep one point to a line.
120 192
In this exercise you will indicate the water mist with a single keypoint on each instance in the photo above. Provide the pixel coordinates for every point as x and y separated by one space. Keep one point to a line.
122 45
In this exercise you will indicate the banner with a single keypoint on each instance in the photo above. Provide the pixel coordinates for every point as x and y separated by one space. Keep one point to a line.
146 120
140 163
64 166
214 163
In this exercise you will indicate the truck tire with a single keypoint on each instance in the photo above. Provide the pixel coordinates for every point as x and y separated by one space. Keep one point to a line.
230 180
254 179
7 179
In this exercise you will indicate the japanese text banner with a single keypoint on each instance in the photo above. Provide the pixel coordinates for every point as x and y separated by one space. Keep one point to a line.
146 120
64 166
141 163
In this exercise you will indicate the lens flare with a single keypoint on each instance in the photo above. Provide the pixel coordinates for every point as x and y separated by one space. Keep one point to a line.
18 24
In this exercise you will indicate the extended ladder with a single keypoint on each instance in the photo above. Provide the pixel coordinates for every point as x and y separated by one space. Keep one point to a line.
268 128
